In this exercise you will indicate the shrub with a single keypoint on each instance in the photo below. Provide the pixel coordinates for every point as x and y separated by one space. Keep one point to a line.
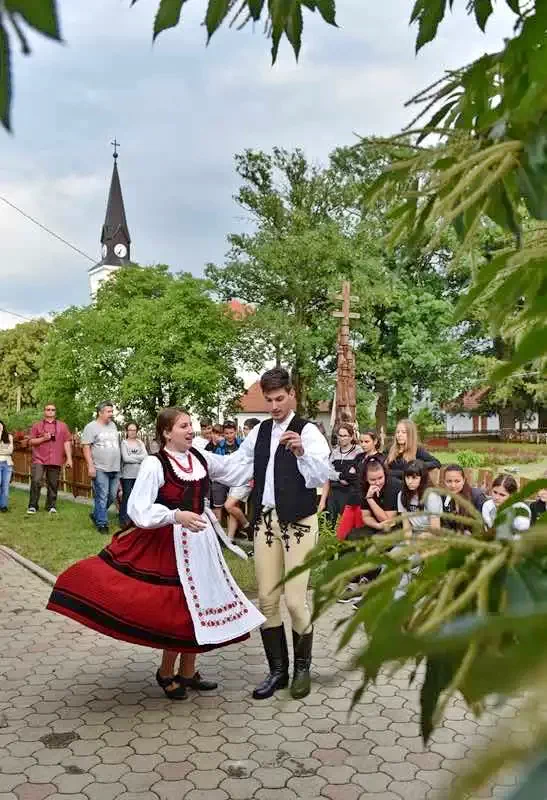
20 420
470 459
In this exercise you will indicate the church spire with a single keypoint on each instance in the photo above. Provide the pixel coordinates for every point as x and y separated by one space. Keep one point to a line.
115 237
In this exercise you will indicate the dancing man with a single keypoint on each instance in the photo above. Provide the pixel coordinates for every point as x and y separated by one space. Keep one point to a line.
290 458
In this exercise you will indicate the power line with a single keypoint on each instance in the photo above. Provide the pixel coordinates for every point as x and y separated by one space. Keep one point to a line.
14 314
48 230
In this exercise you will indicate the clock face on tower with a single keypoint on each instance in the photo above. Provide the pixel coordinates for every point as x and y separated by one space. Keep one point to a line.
105 250
120 250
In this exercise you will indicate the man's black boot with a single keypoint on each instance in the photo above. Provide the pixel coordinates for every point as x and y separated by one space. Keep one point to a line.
302 647
277 653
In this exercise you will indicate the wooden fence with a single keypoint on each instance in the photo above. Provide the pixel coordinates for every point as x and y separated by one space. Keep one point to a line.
75 480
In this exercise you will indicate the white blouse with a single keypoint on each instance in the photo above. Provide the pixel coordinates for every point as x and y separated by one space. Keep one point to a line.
142 507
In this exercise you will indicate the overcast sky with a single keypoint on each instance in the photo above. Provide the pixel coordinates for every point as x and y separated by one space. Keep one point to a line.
181 111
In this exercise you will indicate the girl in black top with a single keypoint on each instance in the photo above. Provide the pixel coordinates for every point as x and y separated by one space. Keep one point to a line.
370 442
336 491
405 448
378 500
455 481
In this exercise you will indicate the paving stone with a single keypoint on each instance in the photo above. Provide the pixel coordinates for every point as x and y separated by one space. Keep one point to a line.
34 791
330 757
437 778
172 790
335 792
175 752
238 750
240 788
119 738
145 763
400 771
276 794
207 744
336 774
43 774
272 777
137 796
410 790
174 772
373 781
325 740
206 778
15 764
109 773
296 734
72 784
427 761
267 741
140 781
204 794
307 787
104 791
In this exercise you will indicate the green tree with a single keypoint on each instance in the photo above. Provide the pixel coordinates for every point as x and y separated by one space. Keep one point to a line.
289 267
20 350
152 339
408 347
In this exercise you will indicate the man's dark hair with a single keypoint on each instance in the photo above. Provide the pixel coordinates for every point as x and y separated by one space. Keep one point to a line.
205 422
276 378
229 424
251 423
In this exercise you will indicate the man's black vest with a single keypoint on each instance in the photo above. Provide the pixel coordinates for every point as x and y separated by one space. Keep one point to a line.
293 501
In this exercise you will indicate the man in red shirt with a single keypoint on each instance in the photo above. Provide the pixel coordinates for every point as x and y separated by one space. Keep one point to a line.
51 444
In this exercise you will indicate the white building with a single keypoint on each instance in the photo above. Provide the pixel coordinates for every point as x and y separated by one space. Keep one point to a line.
470 420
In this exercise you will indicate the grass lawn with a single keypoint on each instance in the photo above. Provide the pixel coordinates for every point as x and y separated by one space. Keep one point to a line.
56 541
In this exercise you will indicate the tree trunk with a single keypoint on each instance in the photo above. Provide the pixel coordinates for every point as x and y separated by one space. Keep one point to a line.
382 404
507 417
542 417
299 389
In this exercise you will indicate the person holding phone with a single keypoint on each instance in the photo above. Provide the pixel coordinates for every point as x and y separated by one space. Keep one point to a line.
51 444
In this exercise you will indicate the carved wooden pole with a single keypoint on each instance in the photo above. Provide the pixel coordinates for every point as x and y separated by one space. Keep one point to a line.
345 399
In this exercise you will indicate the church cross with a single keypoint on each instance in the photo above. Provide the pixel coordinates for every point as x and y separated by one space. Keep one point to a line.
115 145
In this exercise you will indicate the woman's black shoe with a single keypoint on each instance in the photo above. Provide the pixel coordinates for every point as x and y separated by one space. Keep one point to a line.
178 693
198 683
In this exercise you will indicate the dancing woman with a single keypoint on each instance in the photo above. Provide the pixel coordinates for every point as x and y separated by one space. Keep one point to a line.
164 583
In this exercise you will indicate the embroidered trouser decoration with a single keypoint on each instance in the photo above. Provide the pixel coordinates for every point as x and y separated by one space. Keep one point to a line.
278 550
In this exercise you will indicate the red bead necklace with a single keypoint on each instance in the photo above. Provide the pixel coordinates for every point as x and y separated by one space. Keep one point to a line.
187 469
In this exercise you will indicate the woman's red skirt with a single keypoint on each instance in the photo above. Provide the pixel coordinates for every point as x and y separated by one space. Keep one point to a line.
131 591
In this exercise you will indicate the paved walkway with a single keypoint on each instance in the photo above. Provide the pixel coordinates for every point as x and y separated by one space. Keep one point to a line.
81 718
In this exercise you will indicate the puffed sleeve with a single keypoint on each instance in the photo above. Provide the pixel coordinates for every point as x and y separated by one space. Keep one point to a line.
142 507
237 468
314 465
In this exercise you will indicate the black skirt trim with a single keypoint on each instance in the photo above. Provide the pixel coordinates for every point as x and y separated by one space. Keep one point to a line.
117 626
138 574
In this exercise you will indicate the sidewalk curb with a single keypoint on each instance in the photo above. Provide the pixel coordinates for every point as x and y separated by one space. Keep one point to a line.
42 573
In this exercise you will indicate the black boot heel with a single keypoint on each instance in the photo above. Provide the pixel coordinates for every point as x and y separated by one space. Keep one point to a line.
179 693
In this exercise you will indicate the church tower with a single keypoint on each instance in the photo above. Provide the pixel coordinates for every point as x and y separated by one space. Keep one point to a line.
115 238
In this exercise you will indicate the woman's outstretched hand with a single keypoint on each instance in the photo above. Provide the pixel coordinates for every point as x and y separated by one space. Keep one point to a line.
188 519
